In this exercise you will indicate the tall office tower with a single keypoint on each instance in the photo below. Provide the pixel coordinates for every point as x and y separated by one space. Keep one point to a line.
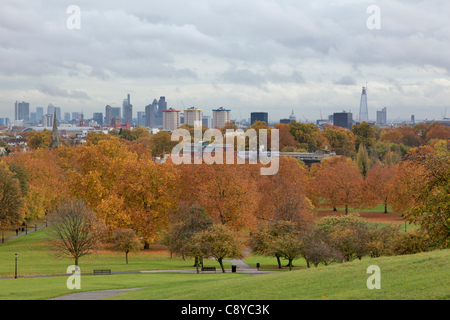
33 117
129 114
58 113
140 118
413 120
207 121
116 112
171 119
150 115
98 117
343 119
22 111
381 116
51 109
39 114
126 102
162 105
193 116
47 120
259 116
66 117
363 109
108 115
220 117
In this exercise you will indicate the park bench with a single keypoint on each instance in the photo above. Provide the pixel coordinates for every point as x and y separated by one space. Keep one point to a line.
102 271
209 269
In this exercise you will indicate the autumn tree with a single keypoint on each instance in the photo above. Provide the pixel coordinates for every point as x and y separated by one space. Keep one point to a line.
38 140
226 191
187 222
286 139
11 200
75 230
340 140
377 186
284 194
125 240
219 242
338 185
429 196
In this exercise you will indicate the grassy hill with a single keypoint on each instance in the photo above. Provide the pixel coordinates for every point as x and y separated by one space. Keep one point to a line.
419 276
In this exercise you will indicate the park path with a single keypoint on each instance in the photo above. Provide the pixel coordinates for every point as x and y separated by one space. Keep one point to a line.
23 233
95 295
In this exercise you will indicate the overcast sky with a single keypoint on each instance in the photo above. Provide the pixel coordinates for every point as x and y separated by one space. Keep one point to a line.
274 56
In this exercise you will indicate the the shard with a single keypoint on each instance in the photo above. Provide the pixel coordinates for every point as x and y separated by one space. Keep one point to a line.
363 110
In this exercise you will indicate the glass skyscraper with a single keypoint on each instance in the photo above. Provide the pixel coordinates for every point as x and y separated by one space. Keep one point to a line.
363 110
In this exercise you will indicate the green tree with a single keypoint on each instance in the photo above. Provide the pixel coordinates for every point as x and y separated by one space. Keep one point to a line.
363 161
219 242
364 133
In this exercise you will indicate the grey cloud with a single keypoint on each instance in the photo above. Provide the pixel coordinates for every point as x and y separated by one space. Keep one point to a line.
57 92
346 81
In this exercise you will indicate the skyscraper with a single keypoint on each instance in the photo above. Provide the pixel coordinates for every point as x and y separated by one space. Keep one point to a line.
381 116
141 118
58 113
108 115
150 115
66 117
129 114
22 111
363 109
98 117
39 114
51 109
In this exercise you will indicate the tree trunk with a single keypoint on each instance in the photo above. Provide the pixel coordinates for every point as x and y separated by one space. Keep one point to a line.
334 209
221 265
279 263
307 263
196 264
146 245
126 256
346 210
385 207
76 262
290 264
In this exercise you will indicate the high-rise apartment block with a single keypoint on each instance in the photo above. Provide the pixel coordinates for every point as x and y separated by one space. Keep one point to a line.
193 116
220 117
171 119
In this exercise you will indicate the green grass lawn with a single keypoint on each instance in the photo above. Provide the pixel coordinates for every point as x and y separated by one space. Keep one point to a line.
34 258
419 276
51 287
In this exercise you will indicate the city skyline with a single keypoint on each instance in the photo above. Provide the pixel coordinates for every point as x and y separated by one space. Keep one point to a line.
309 57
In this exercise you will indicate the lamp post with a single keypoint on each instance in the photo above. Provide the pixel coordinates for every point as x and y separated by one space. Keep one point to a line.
15 275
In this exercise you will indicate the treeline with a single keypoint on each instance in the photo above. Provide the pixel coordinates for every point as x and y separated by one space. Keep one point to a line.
118 179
